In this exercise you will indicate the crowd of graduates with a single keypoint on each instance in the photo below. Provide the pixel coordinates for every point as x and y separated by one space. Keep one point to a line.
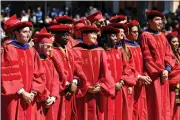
90 69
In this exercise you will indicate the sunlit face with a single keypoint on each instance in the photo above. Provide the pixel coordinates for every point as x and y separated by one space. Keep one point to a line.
45 48
175 43
23 35
156 23
90 38
120 35
133 33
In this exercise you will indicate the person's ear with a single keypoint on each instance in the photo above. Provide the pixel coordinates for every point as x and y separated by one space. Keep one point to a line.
83 34
16 33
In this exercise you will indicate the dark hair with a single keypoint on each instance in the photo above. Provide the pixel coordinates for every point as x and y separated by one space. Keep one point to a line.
150 17
133 26
167 27
18 29
125 49
174 24
170 38
102 41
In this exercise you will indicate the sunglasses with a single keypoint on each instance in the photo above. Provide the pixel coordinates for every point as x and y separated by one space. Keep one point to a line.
101 22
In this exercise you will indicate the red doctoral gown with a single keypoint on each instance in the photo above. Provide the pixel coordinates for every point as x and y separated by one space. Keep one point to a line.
52 89
174 79
120 106
140 104
95 67
21 68
65 59
158 56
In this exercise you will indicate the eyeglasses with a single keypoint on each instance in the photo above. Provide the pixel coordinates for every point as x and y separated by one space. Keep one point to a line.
48 46
100 22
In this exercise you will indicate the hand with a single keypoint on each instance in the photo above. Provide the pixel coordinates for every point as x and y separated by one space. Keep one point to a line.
94 89
90 89
145 79
53 99
49 102
27 97
73 88
68 93
118 86
67 84
130 90
32 95
164 75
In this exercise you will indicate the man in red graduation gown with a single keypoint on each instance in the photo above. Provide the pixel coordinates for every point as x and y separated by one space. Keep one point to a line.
64 57
95 67
117 107
140 105
48 99
22 74
66 20
97 19
159 62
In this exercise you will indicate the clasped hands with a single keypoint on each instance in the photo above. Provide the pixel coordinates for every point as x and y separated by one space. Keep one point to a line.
94 89
119 85
146 80
28 97
49 101
71 88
